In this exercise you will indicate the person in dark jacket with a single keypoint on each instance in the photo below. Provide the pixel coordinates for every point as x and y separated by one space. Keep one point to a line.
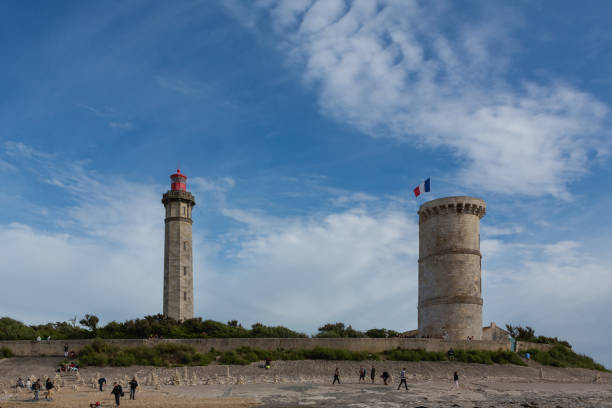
133 386
49 386
385 376
36 388
101 382
373 374
455 381
336 376
118 391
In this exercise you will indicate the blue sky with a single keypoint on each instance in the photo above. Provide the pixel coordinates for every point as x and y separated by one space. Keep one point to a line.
303 127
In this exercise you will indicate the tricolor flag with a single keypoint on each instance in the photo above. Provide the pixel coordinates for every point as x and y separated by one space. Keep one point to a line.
424 187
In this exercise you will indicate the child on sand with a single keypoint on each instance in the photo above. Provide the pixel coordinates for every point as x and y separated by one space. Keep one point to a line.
455 381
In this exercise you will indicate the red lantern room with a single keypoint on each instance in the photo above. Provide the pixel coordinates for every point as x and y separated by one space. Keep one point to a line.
179 181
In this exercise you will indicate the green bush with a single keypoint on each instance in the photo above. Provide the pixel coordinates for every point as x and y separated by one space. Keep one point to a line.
5 352
413 355
100 353
561 356
465 356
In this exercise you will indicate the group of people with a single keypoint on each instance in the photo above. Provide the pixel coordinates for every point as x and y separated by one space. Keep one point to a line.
36 387
386 377
117 390
69 353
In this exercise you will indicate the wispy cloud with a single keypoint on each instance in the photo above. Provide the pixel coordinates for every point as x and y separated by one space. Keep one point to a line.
121 125
178 85
100 112
19 150
6 166
389 70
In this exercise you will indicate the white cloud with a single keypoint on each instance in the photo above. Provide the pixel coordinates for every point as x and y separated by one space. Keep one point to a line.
495 231
103 255
20 150
206 185
357 266
560 289
390 70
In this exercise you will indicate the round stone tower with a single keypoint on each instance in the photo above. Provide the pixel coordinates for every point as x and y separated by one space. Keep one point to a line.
178 260
450 302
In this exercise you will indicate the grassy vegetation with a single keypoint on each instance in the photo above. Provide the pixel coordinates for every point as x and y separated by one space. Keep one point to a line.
527 333
100 353
5 352
464 356
170 354
561 356
247 355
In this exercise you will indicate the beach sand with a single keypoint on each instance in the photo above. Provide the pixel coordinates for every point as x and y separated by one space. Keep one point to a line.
308 383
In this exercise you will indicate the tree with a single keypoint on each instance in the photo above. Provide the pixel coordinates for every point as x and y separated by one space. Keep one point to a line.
90 321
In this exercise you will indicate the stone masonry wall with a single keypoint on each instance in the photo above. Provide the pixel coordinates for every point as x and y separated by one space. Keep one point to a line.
25 348
450 300
178 260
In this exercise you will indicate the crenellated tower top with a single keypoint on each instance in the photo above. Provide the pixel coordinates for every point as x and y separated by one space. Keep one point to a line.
449 205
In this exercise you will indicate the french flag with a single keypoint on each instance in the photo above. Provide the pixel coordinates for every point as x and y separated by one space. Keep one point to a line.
424 187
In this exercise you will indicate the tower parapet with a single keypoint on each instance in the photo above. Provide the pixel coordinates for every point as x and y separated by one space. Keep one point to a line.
450 292
178 259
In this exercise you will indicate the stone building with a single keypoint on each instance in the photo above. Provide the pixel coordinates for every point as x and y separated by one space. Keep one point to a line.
495 333
178 259
450 300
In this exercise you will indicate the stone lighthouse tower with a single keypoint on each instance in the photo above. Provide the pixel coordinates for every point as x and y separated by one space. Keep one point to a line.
178 259
450 299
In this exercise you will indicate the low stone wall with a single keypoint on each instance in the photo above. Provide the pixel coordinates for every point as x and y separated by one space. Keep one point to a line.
522 346
25 348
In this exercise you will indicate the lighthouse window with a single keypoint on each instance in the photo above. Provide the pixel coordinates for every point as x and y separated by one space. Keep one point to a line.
184 244
184 211
184 271
184 295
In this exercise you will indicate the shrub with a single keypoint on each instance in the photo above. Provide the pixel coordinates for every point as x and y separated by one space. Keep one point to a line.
465 356
338 330
413 355
100 353
561 356
6 352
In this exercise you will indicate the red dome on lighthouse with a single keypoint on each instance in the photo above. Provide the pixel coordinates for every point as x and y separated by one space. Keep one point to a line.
179 181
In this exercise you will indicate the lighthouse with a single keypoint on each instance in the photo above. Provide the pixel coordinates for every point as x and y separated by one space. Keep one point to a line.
178 255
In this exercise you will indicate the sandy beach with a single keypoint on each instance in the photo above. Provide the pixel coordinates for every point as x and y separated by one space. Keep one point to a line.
308 383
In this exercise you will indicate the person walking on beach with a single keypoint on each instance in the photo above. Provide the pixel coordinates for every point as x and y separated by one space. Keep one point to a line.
455 381
336 376
362 374
403 379
133 386
49 386
385 376
101 383
36 388
373 374
118 392
66 350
